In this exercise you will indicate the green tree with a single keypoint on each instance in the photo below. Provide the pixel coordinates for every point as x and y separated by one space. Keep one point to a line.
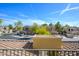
10 26
19 28
44 25
42 30
50 27
58 27
19 25
1 21
34 27
66 26
50 24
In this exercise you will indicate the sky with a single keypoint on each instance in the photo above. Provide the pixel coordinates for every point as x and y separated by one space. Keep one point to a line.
29 13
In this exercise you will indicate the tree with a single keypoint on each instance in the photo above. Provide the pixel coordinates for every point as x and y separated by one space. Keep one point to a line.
51 24
50 27
19 28
44 25
10 26
66 26
58 27
34 27
42 31
1 21
19 25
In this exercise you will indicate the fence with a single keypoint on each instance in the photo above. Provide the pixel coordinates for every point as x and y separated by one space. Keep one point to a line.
38 52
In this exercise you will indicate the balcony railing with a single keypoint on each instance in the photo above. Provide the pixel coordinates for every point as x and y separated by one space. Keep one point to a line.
38 52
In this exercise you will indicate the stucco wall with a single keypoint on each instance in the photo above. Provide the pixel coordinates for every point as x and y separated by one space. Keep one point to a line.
46 43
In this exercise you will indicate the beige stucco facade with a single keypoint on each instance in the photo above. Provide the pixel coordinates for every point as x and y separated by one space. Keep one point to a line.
47 42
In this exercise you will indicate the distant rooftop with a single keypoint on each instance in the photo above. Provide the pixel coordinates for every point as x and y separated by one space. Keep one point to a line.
75 38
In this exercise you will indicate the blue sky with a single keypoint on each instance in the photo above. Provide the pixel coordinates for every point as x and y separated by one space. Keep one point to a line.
28 13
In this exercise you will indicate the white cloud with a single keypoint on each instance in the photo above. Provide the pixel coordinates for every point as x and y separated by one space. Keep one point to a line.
9 21
71 23
39 21
23 15
68 9
25 21
55 12
31 21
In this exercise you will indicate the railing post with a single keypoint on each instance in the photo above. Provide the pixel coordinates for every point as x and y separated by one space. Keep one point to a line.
38 52
3 52
43 53
10 52
6 51
13 52
68 53
21 52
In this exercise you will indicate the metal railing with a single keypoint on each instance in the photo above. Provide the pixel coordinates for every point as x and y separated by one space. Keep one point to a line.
38 52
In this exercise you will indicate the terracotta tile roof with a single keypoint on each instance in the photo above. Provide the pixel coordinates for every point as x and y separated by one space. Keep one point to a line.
28 44
15 44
